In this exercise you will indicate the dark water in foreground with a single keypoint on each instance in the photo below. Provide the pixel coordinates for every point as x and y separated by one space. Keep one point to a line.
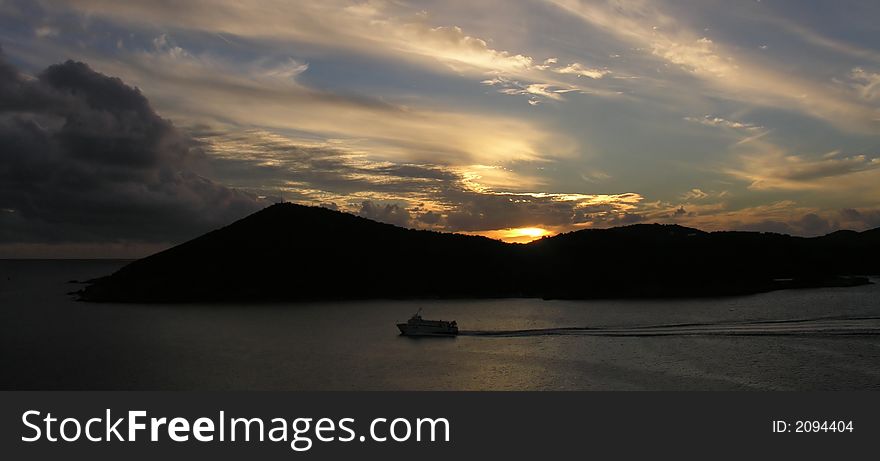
786 340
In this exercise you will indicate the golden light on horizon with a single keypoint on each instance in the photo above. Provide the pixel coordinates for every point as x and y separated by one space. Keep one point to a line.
534 232
515 235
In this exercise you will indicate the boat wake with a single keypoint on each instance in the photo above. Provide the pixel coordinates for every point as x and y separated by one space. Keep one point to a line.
826 326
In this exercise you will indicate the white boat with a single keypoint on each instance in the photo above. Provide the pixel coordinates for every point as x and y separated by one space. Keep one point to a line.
417 326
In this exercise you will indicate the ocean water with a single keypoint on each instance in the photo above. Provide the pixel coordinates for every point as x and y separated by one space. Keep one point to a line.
816 339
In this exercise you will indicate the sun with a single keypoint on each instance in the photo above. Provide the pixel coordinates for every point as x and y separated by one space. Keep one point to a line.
515 234
533 232
521 234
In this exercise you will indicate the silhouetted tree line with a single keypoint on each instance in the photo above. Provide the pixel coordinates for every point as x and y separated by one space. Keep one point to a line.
293 252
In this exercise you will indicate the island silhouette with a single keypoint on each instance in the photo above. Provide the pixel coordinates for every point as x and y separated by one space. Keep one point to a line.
290 252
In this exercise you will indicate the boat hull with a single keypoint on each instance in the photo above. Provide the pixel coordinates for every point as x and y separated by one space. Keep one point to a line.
408 329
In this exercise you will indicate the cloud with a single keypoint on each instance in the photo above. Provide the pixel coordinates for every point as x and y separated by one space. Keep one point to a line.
852 218
866 83
783 216
452 46
468 199
86 159
777 170
729 71
716 121
491 211
342 103
46 31
537 92
328 171
581 71
164 45
375 28
809 225
814 223
694 194
816 38
390 213
430 218
206 89
432 196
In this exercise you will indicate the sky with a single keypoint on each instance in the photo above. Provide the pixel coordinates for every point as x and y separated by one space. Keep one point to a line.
131 126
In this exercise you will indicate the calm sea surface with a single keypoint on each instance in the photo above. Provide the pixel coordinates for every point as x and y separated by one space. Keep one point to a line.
823 339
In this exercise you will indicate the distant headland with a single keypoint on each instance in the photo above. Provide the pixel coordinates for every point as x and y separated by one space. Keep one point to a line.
289 252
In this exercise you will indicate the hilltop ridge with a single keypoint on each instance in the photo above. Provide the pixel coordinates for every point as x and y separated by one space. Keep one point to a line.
291 252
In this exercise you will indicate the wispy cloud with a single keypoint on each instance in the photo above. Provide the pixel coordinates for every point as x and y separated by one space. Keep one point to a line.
733 74
374 28
468 198
818 38
694 194
46 31
537 92
716 121
581 71
866 83
769 170
202 88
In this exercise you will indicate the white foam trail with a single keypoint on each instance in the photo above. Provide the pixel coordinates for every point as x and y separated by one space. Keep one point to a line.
817 326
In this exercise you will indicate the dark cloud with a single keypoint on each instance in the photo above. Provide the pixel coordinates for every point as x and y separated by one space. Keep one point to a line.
390 213
85 158
430 218
416 171
813 224
315 175
808 225
625 219
318 174
276 162
474 211
267 161
777 227
828 168
868 219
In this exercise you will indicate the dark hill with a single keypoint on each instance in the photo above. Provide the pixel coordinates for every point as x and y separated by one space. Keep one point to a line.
295 252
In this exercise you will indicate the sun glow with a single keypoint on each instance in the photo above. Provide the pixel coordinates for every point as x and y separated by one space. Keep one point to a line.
515 235
533 232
